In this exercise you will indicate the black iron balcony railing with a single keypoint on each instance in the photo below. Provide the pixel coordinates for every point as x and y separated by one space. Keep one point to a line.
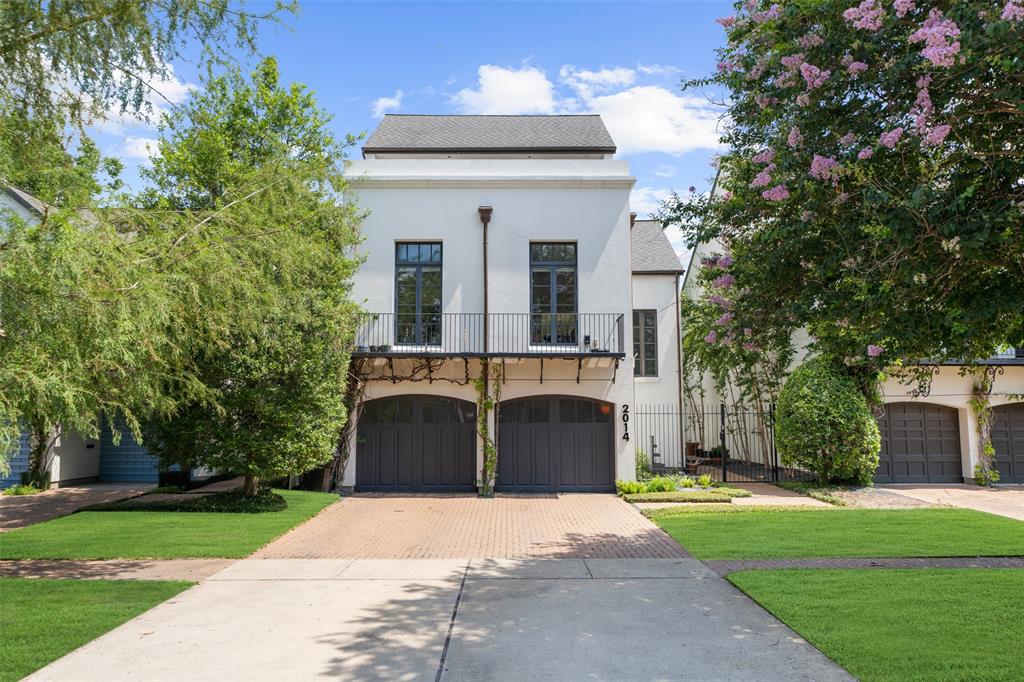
507 334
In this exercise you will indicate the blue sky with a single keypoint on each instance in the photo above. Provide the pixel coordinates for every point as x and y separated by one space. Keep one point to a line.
623 60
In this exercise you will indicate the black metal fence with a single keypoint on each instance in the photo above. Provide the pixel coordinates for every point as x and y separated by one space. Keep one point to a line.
727 442
519 334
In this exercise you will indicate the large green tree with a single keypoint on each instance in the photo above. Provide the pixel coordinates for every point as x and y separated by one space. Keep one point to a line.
257 159
872 188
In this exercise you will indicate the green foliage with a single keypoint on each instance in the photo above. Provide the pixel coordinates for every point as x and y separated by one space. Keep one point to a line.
687 482
904 249
985 471
230 501
488 396
824 425
695 497
254 167
660 484
643 465
630 487
705 481
71 62
22 490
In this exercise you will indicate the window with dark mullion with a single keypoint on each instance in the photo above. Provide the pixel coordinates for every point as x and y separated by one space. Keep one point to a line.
645 343
418 293
553 293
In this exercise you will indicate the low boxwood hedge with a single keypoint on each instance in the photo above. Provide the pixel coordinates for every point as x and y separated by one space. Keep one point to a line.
231 501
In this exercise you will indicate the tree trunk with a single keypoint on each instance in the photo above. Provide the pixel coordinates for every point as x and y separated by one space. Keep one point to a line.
39 445
251 485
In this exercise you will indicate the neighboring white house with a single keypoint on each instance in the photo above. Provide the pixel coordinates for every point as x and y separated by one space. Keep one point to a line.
506 238
75 459
931 438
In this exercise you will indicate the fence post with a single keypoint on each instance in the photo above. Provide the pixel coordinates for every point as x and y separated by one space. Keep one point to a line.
775 451
721 437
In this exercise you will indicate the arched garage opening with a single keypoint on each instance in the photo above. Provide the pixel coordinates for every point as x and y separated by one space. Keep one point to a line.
556 443
1008 441
920 444
421 443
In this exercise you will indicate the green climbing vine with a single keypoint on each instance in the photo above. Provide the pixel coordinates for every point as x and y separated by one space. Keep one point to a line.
486 401
985 472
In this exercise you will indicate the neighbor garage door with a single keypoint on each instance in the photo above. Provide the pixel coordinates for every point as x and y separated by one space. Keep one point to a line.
920 444
416 443
1008 440
555 444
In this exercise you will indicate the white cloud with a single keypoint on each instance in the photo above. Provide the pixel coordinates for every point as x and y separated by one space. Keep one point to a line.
143 148
383 105
161 96
646 200
664 171
587 82
658 70
650 118
502 90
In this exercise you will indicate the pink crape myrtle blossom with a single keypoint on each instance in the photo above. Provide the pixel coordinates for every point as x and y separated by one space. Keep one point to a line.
847 59
725 261
811 40
806 216
726 195
890 138
823 167
724 282
767 156
764 101
719 300
937 135
724 319
795 139
773 12
749 345
712 337
758 69
855 68
813 76
901 7
939 36
1012 12
923 107
777 193
748 332
874 351
726 22
793 62
764 178
865 153
847 139
803 99
867 15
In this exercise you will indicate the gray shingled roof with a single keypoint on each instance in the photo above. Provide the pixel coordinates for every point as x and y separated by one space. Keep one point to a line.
25 199
424 133
652 251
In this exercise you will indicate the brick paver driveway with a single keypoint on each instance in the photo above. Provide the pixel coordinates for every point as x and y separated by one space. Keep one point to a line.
398 526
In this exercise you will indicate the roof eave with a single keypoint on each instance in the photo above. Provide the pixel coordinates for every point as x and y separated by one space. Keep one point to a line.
487 150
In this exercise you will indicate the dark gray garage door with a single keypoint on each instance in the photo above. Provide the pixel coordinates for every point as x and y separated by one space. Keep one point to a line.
1008 440
555 444
424 443
920 444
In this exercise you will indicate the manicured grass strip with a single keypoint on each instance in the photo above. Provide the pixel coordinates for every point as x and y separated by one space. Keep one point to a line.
843 533
159 534
681 497
902 624
42 620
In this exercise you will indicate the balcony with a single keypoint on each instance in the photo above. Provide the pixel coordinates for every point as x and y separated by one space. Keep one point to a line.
519 335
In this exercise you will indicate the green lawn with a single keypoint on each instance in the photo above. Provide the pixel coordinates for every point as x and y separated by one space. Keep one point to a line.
763 534
41 620
890 624
159 535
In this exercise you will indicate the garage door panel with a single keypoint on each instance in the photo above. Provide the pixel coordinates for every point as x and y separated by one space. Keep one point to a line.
416 443
1008 441
555 443
920 444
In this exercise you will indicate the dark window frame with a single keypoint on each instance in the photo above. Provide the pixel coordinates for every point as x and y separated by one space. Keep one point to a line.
423 333
546 328
643 366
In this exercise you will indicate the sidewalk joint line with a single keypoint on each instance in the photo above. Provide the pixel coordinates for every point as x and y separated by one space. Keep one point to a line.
451 624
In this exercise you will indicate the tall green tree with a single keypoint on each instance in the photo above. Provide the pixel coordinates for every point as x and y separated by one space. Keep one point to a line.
872 187
257 159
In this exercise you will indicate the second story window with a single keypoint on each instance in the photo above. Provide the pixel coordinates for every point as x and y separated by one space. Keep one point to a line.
418 294
645 343
553 293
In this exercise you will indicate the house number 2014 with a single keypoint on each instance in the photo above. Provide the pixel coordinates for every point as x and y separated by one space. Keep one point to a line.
625 422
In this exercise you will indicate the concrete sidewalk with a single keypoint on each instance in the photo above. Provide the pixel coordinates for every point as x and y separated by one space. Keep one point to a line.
1001 500
453 619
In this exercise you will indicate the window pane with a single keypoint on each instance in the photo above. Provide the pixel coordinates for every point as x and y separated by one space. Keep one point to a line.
435 253
567 411
402 253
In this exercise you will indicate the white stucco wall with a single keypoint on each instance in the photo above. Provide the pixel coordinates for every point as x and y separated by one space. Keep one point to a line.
658 292
73 460
573 200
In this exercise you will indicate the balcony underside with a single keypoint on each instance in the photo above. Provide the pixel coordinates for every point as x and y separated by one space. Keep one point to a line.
566 355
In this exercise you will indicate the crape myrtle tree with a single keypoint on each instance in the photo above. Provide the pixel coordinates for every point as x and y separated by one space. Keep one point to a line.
873 188
255 161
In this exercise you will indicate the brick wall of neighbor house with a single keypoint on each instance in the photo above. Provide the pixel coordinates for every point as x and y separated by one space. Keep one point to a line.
125 461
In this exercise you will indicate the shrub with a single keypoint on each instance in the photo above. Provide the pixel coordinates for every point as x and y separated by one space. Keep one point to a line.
698 496
705 481
22 490
824 425
687 482
660 484
643 466
231 501
629 487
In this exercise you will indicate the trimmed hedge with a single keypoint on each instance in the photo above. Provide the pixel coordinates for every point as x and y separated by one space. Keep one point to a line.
229 502
824 425
713 495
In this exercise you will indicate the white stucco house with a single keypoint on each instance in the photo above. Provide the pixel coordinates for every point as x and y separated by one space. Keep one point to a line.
930 437
510 239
